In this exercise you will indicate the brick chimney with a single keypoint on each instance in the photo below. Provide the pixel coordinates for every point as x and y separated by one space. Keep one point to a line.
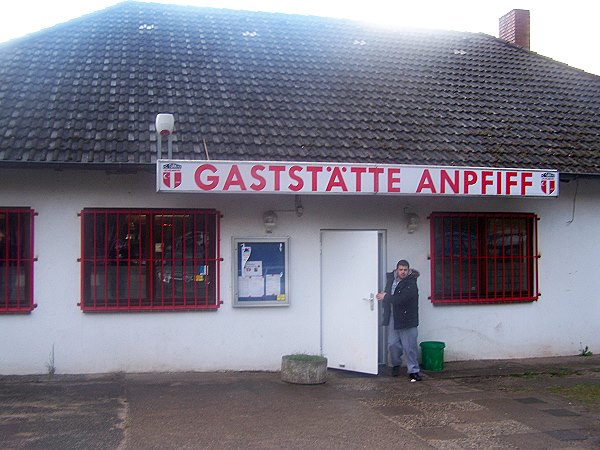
514 27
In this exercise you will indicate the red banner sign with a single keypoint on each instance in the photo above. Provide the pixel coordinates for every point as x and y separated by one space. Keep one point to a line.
356 179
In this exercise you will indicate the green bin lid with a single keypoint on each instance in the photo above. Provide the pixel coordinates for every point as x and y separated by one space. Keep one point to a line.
432 344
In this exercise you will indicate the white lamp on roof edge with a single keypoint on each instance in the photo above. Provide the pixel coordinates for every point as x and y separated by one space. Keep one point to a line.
164 124
164 127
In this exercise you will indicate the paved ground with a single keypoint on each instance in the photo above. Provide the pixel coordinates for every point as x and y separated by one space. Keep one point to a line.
542 403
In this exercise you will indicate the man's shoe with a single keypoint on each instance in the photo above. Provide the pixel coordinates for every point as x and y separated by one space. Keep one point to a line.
395 371
415 377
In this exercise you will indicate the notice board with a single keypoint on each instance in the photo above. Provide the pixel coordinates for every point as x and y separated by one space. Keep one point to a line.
261 272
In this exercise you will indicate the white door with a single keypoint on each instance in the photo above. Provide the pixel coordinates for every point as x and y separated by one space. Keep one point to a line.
349 324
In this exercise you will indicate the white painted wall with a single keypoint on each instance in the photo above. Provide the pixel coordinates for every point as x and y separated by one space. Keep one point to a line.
255 338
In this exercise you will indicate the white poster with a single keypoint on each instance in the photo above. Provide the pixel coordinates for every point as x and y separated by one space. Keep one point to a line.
251 286
273 285
253 269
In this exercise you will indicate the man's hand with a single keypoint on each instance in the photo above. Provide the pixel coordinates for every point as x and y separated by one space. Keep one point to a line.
380 295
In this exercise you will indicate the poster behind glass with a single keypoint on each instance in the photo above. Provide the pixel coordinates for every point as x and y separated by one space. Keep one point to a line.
261 272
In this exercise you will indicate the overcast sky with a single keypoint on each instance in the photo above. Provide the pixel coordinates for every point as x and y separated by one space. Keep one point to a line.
564 31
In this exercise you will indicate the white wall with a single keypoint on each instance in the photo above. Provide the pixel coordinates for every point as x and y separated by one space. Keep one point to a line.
255 338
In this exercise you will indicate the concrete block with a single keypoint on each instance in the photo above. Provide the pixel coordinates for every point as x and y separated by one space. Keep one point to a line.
304 369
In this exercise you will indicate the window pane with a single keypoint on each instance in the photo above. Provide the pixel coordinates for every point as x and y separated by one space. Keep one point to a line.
114 266
508 262
455 257
181 260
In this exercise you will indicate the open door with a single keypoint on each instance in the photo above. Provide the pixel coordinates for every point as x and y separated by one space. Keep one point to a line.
349 281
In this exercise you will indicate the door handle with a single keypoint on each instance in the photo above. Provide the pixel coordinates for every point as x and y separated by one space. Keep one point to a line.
371 301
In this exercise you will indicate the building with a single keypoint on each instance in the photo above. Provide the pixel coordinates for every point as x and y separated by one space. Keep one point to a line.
307 156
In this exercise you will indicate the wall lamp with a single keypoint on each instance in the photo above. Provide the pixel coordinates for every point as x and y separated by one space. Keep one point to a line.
270 217
412 220
270 221
165 123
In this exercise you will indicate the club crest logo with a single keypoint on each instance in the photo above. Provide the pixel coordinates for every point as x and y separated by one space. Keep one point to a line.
171 175
548 183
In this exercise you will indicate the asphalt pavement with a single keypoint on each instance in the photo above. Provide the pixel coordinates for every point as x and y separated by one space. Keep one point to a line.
539 403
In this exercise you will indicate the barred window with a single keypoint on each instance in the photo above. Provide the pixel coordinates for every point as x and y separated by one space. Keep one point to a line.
483 257
140 259
16 260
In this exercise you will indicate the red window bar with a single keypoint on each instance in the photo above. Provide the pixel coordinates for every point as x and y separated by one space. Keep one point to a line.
148 259
16 260
483 257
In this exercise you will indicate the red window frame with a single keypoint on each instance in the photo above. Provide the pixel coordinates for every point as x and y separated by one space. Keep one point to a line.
16 260
149 259
483 257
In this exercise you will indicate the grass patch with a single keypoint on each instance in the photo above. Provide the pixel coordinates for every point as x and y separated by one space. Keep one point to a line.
587 393
562 372
305 357
525 375
558 372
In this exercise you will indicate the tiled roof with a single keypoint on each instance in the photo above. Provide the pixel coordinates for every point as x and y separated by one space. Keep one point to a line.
263 86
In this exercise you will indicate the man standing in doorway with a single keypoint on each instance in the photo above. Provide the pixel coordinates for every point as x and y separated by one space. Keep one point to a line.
401 316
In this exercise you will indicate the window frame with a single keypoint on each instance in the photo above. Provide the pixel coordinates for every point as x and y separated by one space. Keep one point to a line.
157 258
484 259
25 261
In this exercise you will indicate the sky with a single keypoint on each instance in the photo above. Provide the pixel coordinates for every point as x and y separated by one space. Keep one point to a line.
564 31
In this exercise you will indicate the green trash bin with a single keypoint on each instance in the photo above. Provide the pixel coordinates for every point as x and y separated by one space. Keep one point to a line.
432 355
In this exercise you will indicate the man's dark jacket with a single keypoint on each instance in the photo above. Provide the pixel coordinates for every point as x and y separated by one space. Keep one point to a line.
404 301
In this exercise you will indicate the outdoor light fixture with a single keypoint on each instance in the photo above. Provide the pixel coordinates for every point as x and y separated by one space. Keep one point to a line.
412 219
270 221
412 222
298 206
164 127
